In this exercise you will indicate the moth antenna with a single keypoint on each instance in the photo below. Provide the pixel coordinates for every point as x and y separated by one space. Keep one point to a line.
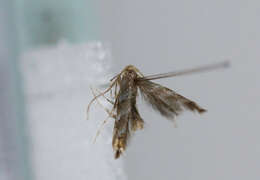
138 71
117 75
224 64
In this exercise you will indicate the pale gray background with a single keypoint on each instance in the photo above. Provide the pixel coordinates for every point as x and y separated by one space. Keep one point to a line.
156 36
161 36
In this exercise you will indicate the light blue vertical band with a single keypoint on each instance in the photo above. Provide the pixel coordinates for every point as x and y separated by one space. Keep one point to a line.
28 24
14 151
45 22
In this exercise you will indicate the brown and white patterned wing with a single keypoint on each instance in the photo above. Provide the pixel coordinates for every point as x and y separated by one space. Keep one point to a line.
166 101
127 118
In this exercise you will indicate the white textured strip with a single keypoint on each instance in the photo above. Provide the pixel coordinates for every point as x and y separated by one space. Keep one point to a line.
57 81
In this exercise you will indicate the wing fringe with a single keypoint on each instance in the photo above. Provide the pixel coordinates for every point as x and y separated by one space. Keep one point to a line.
166 101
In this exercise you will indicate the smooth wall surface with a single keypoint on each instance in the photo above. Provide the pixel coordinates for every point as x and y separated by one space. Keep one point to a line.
161 36
14 157
46 22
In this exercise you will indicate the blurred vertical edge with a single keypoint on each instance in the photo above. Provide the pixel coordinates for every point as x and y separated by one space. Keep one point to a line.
14 143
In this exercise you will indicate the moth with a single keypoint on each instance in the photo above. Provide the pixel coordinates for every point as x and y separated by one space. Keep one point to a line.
124 89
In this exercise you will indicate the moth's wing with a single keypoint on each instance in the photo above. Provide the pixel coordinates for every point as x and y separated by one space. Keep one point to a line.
121 135
165 100
136 122
127 119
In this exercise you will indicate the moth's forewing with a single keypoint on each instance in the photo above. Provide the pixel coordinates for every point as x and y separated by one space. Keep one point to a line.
127 115
165 100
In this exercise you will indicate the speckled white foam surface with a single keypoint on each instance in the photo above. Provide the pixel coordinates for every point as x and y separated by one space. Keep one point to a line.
57 81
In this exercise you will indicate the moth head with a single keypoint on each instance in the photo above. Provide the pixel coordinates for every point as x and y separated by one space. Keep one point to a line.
132 71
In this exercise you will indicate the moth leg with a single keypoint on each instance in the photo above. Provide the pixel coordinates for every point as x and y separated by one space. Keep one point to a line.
111 93
106 109
104 92
115 90
109 100
100 128
103 123
110 114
